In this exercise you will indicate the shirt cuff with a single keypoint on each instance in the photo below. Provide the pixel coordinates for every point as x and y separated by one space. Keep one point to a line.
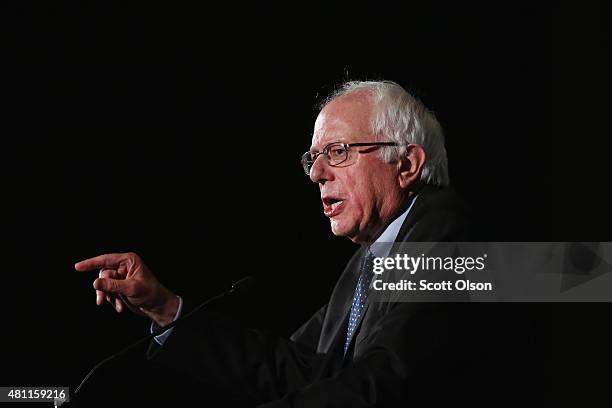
161 339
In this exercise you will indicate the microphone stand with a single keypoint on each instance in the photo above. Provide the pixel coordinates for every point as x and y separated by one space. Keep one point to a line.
237 286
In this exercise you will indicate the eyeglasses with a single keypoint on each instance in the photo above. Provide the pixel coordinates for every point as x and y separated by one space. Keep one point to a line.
336 153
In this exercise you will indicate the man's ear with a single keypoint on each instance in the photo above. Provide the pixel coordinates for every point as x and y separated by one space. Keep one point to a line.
410 165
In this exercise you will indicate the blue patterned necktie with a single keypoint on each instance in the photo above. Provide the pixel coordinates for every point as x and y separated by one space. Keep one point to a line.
360 296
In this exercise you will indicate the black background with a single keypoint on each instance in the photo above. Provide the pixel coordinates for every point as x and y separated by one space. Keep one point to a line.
176 133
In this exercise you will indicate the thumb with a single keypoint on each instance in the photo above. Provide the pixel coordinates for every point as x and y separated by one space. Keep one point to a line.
108 285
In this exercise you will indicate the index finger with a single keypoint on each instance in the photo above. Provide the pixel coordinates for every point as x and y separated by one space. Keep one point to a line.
110 261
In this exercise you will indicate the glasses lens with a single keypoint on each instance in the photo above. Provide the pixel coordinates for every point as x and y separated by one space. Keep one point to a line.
307 162
337 153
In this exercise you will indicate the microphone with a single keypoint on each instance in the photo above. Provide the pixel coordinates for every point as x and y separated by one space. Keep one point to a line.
241 285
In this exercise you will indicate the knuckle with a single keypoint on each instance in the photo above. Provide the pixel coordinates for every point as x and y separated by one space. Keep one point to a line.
112 285
133 256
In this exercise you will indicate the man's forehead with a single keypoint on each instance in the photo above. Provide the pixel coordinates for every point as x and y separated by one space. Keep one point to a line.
344 119
329 128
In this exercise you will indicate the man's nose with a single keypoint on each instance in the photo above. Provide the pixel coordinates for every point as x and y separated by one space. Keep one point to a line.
321 171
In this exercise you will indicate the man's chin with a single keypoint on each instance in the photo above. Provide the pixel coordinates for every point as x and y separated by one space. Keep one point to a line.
340 230
337 228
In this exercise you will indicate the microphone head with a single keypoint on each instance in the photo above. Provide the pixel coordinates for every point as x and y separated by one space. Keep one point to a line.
243 284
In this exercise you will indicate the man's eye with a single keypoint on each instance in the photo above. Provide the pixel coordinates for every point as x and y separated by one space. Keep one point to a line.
337 152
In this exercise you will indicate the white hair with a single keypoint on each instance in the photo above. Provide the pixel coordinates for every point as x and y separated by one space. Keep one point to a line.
401 118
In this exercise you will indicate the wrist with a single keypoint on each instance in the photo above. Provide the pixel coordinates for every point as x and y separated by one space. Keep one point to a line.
165 313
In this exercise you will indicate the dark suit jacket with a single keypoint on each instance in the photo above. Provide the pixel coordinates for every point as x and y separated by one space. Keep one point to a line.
402 353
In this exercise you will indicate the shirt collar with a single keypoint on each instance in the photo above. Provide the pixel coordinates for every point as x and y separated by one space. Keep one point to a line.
382 246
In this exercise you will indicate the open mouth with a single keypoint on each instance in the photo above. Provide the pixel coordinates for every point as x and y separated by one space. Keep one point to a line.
332 206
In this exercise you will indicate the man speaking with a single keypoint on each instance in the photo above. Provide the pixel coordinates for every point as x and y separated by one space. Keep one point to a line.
379 160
